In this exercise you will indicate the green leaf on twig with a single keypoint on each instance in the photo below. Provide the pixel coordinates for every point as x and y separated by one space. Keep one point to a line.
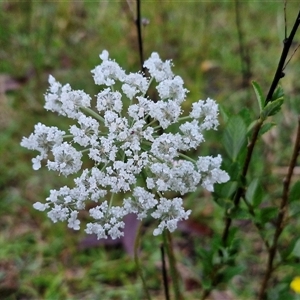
225 203
225 190
230 272
288 250
266 214
266 127
278 93
272 108
234 137
296 250
254 194
259 95
295 192
239 213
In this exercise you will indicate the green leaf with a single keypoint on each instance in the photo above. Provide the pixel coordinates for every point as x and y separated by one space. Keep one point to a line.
279 93
281 291
225 190
225 203
251 126
287 251
259 95
266 214
206 257
254 194
266 127
239 213
295 192
230 272
294 209
296 250
233 169
232 236
224 113
272 108
234 137
216 243
245 113
206 283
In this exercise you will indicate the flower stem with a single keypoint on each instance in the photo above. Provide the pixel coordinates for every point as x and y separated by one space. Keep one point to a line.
167 237
164 272
184 118
111 199
92 113
137 261
187 157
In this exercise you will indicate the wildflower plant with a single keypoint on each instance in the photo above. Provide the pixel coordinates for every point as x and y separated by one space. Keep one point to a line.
132 150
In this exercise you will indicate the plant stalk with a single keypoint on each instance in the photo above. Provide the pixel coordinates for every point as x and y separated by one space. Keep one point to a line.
138 23
287 42
278 75
165 273
172 263
281 216
137 261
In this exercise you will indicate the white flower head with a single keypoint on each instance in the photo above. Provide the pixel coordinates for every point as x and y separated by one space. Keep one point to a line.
141 109
211 173
64 100
108 72
170 212
134 83
108 221
43 138
158 69
208 110
87 133
141 202
40 206
109 100
73 222
192 135
165 112
67 160
166 146
172 89
130 144
58 213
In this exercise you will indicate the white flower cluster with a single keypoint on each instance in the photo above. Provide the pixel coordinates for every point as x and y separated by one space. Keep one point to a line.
128 139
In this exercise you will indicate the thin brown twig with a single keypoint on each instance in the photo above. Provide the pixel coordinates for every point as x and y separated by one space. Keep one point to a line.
240 191
287 42
244 55
291 57
285 25
131 9
138 23
281 216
